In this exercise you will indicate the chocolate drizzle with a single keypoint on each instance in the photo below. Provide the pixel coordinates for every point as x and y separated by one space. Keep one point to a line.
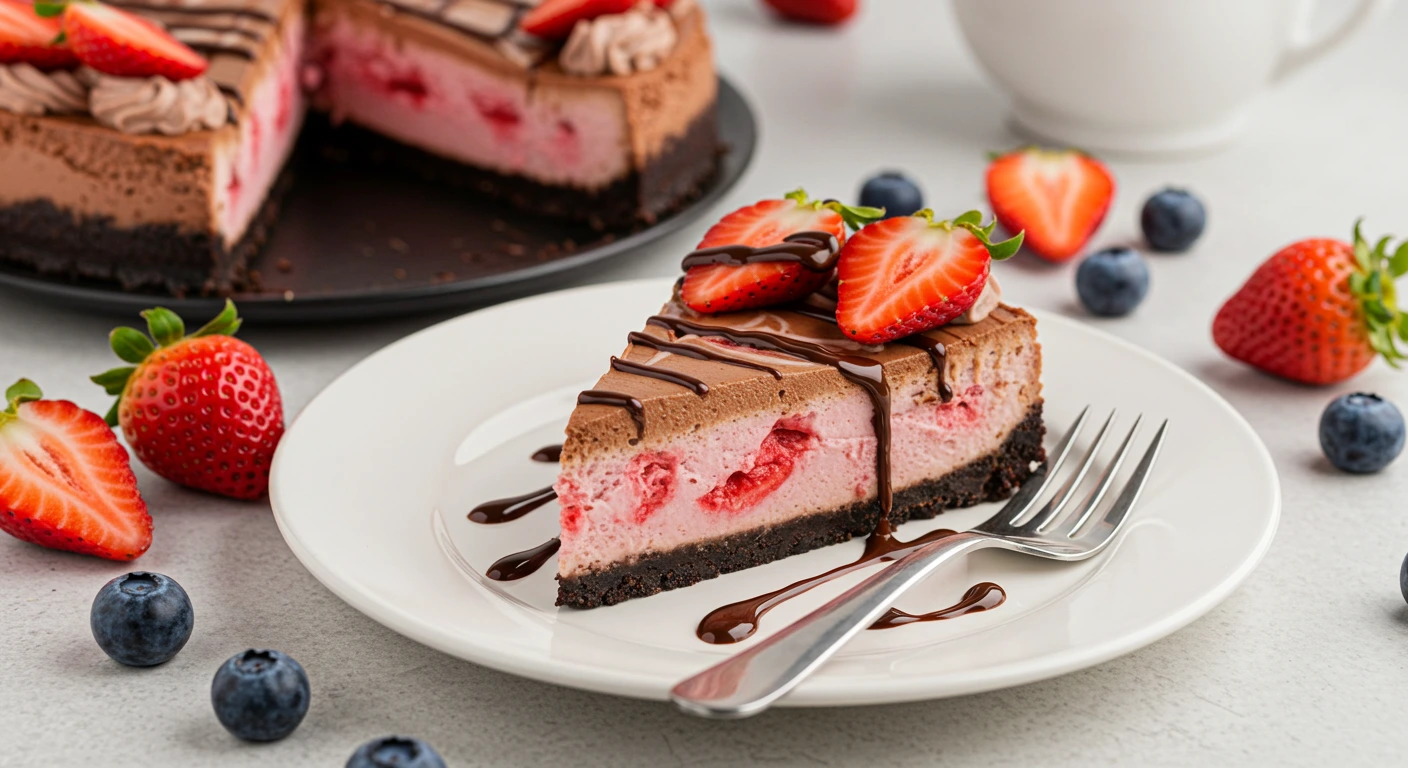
697 352
632 405
738 621
663 374
979 597
512 508
548 454
213 30
865 372
519 564
939 354
196 10
814 250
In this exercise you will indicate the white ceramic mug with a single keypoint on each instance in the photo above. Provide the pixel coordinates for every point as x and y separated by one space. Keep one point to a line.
1143 76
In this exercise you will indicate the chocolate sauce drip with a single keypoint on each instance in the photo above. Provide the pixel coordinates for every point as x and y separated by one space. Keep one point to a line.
438 16
196 10
620 400
815 313
519 564
697 352
187 27
865 372
938 354
814 250
231 92
512 508
738 621
214 49
663 374
548 454
979 597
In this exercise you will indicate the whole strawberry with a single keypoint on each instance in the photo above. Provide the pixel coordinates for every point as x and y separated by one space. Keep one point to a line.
201 410
1318 311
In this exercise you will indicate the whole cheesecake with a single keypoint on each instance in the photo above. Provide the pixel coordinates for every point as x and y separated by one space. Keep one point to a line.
174 186
725 441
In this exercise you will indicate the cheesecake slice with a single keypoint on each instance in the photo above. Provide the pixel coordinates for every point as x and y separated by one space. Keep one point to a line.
721 442
127 203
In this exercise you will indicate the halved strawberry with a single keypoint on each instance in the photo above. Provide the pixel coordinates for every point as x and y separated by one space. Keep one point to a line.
65 481
26 38
554 19
121 44
727 287
910 273
1057 196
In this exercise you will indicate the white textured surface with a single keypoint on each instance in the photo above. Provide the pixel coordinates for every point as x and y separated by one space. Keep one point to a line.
1303 666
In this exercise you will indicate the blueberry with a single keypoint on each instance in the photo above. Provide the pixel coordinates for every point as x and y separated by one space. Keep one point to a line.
1112 282
1403 578
260 695
1172 220
1361 433
395 752
894 192
141 619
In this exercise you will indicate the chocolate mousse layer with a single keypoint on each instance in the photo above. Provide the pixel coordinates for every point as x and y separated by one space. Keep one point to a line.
991 478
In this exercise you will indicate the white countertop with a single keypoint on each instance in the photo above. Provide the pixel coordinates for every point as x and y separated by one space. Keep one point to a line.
1305 664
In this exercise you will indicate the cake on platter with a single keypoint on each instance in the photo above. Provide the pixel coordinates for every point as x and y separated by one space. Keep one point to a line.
768 410
148 142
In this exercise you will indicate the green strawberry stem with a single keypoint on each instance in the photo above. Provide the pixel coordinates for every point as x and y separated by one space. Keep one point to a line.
21 391
1372 285
855 216
164 329
973 222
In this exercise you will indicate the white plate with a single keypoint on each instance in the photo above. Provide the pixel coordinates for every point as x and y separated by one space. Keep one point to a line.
372 484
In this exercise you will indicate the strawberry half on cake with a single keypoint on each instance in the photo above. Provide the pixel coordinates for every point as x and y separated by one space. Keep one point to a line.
150 153
756 417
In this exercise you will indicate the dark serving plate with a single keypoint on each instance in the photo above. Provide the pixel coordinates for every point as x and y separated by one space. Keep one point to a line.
357 242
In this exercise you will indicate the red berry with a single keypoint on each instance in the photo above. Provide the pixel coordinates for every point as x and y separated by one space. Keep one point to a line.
554 19
121 44
65 481
815 11
27 38
1058 197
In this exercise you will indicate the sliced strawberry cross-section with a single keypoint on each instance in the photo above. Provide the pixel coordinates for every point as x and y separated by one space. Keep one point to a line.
1058 197
121 44
27 38
65 481
713 288
554 19
908 274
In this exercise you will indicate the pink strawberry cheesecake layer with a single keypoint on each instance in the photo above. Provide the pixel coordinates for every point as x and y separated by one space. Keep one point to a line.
789 463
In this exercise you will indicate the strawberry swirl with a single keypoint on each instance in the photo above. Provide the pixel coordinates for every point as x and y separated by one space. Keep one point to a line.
26 90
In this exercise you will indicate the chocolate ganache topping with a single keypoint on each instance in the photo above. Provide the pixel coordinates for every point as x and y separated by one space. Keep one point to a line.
156 105
814 250
620 43
26 90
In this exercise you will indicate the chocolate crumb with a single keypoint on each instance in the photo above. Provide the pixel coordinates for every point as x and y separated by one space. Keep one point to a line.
398 245
400 273
284 265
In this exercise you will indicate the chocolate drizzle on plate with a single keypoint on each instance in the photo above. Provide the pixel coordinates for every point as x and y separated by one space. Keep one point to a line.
663 374
865 372
519 564
814 250
548 454
979 597
512 508
632 405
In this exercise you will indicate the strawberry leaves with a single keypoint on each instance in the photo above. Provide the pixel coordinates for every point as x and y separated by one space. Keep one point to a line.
1373 288
855 216
164 329
973 222
22 391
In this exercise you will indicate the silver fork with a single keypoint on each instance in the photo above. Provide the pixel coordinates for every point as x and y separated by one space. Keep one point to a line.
750 681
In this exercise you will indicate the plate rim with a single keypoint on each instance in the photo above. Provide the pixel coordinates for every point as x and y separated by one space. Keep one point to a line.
818 692
741 148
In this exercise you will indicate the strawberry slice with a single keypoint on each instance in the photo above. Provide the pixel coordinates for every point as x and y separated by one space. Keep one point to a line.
65 481
554 19
1057 196
121 44
26 38
910 273
727 287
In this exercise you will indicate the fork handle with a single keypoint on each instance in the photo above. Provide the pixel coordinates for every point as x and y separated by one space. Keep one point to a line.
748 682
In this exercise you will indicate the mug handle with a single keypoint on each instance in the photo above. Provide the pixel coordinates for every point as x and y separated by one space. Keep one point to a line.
1303 50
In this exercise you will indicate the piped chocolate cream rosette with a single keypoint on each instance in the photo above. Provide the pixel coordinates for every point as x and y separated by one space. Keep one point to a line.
126 71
